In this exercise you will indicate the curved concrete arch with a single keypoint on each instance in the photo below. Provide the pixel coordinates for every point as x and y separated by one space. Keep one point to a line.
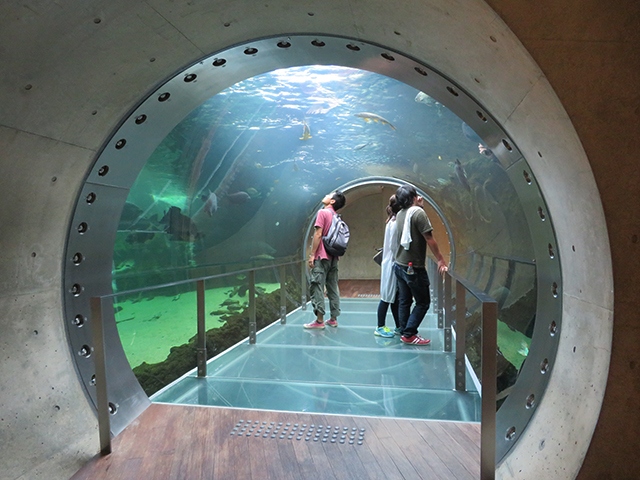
74 73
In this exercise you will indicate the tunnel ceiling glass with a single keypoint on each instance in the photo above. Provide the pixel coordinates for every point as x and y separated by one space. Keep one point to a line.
269 147
230 177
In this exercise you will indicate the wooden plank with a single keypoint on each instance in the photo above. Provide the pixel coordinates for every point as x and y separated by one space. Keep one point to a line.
178 442
449 451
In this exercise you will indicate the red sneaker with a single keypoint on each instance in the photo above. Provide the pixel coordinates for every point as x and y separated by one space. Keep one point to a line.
314 324
332 322
415 340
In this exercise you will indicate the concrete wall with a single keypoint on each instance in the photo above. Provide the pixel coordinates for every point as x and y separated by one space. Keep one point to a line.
71 70
590 52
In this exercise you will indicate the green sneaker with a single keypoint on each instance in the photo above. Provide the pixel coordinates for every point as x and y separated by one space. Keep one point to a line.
383 332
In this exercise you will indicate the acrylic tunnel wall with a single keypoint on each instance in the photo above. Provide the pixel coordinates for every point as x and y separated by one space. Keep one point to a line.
223 167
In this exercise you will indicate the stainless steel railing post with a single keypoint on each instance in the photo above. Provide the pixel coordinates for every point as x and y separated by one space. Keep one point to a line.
461 308
283 294
448 343
303 284
99 360
489 373
252 307
201 348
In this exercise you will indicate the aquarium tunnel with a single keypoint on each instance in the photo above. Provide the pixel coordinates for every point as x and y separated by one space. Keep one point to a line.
221 170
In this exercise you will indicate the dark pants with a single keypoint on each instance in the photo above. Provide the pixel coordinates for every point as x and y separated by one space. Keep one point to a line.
410 288
383 307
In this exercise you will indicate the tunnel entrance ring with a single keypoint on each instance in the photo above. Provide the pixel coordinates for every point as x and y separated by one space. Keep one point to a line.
92 233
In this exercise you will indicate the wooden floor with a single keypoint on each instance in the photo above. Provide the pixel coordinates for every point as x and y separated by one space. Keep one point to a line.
196 443
359 288
190 442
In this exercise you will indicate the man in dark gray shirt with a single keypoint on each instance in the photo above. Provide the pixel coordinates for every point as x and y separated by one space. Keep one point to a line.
414 233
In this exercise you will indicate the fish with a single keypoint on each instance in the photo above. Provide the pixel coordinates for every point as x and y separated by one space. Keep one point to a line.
372 117
422 97
262 256
238 197
210 203
124 266
462 176
306 131
524 349
361 146
180 226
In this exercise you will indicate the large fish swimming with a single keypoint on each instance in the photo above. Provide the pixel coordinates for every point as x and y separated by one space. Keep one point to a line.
238 197
372 117
462 176
180 226
306 132
210 203
422 97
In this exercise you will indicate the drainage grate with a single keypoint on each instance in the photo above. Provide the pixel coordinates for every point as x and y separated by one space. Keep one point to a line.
310 433
369 295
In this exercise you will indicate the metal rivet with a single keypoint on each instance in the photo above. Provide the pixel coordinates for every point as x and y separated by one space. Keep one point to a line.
526 176
531 401
481 115
78 320
250 51
387 56
283 44
318 43
452 91
190 78
113 408
510 433
120 144
163 97
541 214
77 258
544 366
85 351
91 197
103 171
421 71
352 47
551 252
507 145
140 119
218 62
76 289
553 328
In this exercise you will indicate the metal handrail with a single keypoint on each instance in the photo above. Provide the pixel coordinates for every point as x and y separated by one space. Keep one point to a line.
104 408
489 346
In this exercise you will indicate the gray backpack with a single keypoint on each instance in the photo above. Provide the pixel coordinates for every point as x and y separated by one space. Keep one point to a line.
337 238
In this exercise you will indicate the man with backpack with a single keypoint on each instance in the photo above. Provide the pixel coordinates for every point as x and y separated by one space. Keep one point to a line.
323 265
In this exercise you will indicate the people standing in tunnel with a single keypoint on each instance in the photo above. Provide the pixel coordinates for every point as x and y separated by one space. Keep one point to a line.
388 281
414 233
324 267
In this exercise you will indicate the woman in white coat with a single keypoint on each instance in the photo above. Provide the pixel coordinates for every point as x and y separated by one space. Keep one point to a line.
388 281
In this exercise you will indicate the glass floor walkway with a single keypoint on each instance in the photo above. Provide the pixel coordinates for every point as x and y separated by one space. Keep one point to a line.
345 370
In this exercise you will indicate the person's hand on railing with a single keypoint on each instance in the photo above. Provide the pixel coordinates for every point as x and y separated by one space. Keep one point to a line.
442 267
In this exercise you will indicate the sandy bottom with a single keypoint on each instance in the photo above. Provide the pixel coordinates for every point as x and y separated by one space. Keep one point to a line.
149 327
